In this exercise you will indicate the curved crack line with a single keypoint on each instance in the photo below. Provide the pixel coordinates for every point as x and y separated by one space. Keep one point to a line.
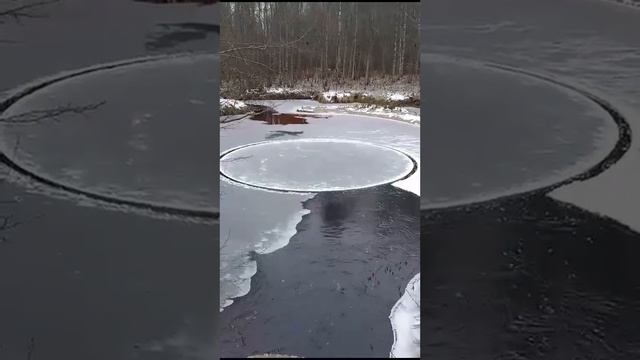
619 149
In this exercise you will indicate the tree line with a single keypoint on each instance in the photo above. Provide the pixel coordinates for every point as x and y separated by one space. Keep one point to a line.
283 43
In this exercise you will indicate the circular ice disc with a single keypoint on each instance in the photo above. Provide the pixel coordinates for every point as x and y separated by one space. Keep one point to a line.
315 165
494 132
133 132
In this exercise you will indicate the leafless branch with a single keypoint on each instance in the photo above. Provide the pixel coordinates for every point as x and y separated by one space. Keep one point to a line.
247 61
267 45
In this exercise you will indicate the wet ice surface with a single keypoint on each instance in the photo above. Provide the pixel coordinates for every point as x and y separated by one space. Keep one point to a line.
481 146
315 165
144 139
537 278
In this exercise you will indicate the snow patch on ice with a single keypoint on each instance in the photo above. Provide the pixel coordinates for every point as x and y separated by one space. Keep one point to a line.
410 184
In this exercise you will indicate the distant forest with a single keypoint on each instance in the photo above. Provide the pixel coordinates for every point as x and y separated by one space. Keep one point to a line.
284 43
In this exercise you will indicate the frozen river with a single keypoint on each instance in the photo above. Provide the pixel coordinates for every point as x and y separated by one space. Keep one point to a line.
313 208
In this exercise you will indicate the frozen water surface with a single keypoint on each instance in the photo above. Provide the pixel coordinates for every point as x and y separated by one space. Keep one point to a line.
314 165
481 147
139 132
323 152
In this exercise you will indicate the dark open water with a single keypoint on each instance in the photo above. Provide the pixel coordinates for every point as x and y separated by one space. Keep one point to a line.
86 282
531 277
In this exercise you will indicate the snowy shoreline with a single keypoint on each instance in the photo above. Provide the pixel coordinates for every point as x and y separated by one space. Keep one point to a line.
382 98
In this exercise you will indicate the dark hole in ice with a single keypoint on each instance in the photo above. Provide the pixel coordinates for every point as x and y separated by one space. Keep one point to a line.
272 117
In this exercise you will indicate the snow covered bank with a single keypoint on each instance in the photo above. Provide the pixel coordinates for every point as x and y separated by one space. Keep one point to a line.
407 114
232 107
386 91
401 113
405 322
380 98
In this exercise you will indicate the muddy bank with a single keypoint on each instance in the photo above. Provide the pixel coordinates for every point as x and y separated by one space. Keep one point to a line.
330 290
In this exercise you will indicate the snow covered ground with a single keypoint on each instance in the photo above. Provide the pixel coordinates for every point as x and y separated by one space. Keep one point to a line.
232 104
408 114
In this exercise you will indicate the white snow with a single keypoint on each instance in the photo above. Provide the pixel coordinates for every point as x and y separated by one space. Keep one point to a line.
328 95
411 115
410 118
275 90
412 183
613 193
339 95
236 104
397 97
283 90
405 322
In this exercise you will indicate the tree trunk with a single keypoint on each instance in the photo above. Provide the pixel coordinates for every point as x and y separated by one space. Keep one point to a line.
395 50
355 42
339 39
326 41
404 40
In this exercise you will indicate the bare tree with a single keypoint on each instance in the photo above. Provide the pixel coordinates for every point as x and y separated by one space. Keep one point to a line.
274 44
